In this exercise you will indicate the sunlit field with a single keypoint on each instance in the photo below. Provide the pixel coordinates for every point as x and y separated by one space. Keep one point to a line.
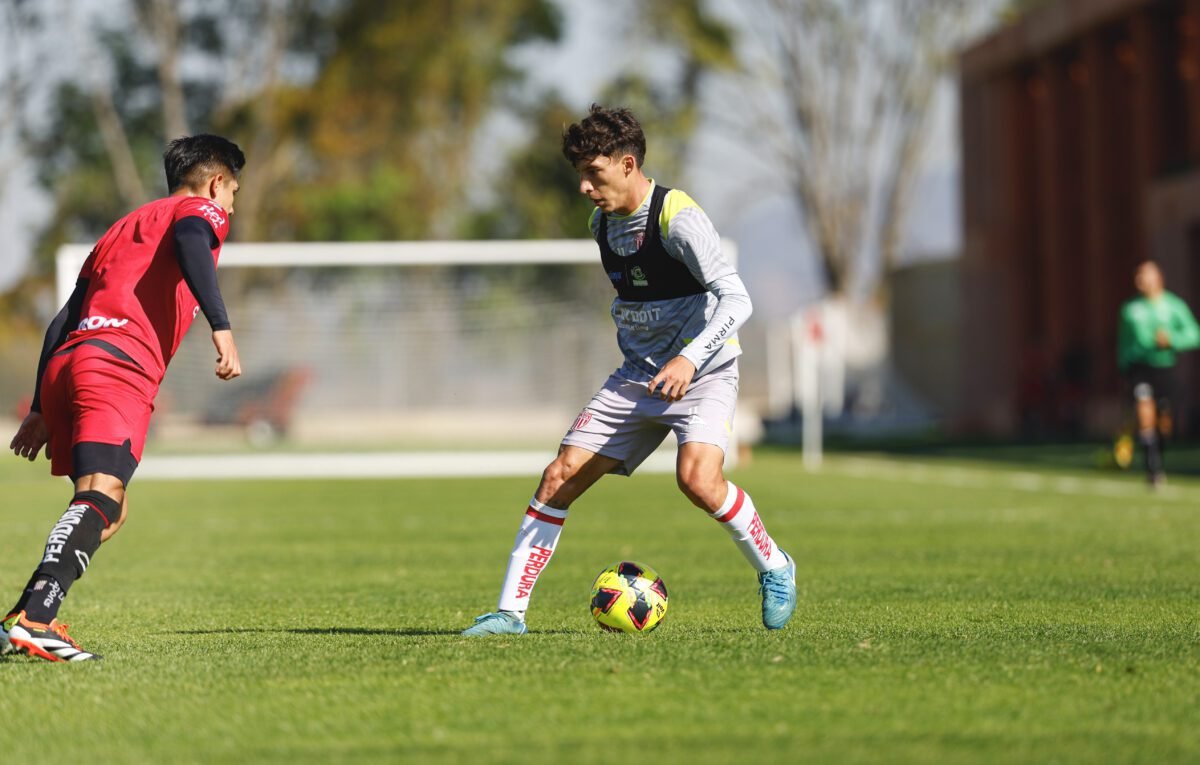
951 611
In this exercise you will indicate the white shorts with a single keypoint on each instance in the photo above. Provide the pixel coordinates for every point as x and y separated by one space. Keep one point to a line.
624 422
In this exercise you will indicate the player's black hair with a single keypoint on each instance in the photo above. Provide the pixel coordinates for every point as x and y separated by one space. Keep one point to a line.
191 159
606 132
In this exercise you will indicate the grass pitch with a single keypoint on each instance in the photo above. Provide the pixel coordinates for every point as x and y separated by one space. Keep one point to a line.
950 612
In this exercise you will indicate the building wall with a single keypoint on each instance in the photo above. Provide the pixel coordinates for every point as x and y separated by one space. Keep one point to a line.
924 325
1072 121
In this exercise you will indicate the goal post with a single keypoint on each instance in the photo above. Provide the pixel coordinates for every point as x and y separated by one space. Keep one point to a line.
431 345
499 252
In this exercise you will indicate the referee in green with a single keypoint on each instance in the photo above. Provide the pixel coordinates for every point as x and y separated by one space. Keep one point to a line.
1154 328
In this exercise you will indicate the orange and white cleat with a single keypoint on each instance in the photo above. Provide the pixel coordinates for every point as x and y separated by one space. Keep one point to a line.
46 641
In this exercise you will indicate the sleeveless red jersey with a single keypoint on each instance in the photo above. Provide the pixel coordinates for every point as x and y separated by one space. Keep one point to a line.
137 298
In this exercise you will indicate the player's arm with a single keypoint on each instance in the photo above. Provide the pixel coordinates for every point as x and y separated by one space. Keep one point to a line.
694 240
733 309
1185 334
1144 333
32 435
194 243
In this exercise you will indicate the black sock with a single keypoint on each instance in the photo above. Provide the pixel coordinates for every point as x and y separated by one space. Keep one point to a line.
69 550
1152 450
45 598
22 601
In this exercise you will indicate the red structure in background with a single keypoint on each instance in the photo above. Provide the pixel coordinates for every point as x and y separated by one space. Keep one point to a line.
1081 157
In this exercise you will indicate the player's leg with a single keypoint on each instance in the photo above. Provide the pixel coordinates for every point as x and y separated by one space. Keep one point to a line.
564 480
1146 412
70 546
702 422
1164 420
88 411
116 525
608 436
701 478
38 583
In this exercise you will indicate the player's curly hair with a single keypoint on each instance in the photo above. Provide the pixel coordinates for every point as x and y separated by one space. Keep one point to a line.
606 132
191 159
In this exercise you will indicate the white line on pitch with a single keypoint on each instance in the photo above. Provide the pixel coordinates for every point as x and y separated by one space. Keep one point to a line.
365 465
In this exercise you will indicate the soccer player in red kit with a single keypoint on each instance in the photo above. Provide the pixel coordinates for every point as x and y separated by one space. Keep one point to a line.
104 356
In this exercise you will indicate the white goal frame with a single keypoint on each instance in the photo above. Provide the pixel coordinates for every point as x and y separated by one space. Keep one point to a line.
69 260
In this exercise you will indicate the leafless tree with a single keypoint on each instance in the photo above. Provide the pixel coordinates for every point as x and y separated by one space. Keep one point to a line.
20 23
837 95
247 76
159 20
256 78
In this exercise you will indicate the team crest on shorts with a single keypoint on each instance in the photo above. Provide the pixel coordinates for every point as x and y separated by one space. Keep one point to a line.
583 419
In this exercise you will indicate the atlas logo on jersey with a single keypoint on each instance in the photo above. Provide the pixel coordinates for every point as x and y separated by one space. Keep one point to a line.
97 322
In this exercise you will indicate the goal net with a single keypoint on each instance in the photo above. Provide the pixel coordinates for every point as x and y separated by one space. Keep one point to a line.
460 345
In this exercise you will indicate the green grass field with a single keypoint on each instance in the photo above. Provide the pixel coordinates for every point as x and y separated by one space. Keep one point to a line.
951 612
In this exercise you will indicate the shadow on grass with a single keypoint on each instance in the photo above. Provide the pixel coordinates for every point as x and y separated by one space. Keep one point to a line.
398 632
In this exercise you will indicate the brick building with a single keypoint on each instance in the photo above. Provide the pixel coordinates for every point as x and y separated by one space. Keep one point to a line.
1081 156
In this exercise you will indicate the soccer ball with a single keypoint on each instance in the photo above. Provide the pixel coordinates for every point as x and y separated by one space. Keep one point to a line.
629 597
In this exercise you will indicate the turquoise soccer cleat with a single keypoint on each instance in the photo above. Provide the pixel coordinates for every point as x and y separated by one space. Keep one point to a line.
496 624
778 589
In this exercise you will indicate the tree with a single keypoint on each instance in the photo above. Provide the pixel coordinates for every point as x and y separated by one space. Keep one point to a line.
99 148
390 124
357 119
1018 8
541 191
20 26
837 95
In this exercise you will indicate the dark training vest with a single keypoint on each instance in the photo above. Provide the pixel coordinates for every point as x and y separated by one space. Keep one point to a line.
650 273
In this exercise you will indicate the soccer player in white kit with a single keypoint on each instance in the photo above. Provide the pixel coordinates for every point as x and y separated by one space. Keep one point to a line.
679 305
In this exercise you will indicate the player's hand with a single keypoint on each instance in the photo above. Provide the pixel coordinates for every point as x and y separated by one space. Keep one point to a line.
675 377
229 365
31 436
1162 339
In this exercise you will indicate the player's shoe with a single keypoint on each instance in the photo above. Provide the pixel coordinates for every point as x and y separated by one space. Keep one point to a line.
46 641
5 626
496 624
778 589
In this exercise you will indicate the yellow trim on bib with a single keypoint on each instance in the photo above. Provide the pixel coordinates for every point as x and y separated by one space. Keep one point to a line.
676 200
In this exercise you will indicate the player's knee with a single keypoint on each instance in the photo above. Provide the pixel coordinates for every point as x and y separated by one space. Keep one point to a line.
703 486
116 525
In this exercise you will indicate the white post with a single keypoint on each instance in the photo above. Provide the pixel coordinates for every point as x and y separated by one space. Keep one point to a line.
780 390
67 262
806 338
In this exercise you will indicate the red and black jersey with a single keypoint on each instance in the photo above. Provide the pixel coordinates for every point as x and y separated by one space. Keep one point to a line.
137 298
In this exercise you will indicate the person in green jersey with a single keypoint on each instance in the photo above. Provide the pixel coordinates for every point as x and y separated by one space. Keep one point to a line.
1154 328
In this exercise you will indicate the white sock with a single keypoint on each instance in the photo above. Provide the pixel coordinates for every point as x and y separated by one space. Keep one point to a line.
740 519
535 543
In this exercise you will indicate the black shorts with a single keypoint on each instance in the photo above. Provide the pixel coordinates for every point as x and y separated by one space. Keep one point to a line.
1147 382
